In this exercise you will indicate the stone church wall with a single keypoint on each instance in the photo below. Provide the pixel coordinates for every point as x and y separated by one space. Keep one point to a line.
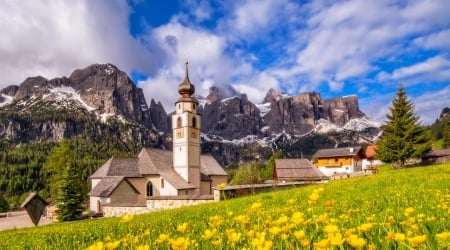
155 204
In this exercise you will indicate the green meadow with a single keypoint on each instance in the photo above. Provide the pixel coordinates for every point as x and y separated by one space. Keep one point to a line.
393 209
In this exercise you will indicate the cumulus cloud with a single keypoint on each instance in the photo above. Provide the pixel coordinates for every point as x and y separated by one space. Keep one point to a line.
52 38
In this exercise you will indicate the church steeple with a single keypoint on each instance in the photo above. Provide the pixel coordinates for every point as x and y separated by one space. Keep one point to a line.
186 125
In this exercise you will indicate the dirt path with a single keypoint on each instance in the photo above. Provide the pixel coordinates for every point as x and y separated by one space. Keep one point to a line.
20 220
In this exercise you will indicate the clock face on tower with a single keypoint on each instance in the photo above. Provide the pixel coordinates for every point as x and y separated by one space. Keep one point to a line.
179 133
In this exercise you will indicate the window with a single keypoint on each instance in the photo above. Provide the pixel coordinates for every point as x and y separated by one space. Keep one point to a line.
194 122
336 159
193 106
179 122
149 189
162 183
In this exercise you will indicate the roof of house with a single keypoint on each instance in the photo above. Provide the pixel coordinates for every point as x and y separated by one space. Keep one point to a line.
298 169
333 152
438 153
370 151
107 185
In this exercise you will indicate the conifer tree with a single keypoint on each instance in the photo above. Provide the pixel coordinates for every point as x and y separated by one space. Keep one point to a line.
446 136
70 197
55 165
402 136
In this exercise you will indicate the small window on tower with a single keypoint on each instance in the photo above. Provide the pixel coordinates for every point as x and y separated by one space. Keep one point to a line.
193 106
179 122
194 122
162 183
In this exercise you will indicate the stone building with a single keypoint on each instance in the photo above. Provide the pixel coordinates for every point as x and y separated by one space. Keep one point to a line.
159 179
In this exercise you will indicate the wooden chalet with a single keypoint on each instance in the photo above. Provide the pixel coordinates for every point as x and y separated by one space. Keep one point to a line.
339 160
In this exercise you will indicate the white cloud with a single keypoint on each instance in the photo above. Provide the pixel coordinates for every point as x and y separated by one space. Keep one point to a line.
438 40
52 38
432 66
429 105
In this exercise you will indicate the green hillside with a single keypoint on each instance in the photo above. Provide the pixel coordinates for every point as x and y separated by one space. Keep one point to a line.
394 209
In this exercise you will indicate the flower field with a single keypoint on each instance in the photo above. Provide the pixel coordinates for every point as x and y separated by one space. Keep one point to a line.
401 209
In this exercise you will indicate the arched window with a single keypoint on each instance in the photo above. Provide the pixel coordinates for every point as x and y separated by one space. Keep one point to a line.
194 122
149 189
179 122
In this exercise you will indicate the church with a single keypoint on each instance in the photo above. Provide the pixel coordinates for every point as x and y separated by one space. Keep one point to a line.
157 179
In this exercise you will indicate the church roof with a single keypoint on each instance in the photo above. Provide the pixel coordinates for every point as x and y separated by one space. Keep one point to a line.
297 169
126 167
107 185
150 161
209 166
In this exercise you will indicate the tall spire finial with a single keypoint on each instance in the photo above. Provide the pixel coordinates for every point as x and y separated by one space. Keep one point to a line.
186 89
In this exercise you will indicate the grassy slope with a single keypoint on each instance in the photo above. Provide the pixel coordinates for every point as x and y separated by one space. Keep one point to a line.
379 200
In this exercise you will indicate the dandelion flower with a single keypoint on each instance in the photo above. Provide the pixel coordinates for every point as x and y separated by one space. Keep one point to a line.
399 237
182 228
126 218
417 240
443 235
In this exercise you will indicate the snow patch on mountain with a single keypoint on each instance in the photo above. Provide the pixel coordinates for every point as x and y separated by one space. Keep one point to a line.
64 92
8 100
324 126
263 109
360 124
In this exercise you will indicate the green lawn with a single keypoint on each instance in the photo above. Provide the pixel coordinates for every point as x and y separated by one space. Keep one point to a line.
394 209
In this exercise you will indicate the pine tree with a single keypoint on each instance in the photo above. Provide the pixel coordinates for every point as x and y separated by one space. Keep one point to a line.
402 136
54 166
446 136
70 197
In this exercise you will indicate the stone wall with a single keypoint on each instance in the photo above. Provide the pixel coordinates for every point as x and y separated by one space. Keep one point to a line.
230 192
155 204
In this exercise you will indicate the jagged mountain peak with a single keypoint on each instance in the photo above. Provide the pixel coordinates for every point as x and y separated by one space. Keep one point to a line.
220 92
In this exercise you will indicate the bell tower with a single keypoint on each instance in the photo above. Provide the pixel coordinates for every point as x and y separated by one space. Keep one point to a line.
186 134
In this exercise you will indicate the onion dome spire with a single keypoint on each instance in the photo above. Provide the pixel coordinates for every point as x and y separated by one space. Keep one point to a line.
186 88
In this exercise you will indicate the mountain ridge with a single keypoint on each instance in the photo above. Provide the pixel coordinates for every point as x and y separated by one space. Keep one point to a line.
102 94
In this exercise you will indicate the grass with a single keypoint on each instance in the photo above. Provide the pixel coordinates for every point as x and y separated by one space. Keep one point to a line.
394 209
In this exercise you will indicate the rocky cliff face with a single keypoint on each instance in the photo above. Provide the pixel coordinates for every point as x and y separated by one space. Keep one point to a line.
41 109
100 101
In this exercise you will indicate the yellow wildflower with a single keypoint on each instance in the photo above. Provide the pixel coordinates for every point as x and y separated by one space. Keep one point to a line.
336 239
443 235
182 228
216 242
147 232
143 247
409 211
299 235
390 236
323 244
399 237
355 241
331 229
275 230
208 234
215 221
162 238
112 245
180 243
234 237
127 218
291 201
297 218
96 246
305 243
366 227
255 206
417 240
221 186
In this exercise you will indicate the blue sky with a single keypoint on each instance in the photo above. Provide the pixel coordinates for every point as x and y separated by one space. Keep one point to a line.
335 48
